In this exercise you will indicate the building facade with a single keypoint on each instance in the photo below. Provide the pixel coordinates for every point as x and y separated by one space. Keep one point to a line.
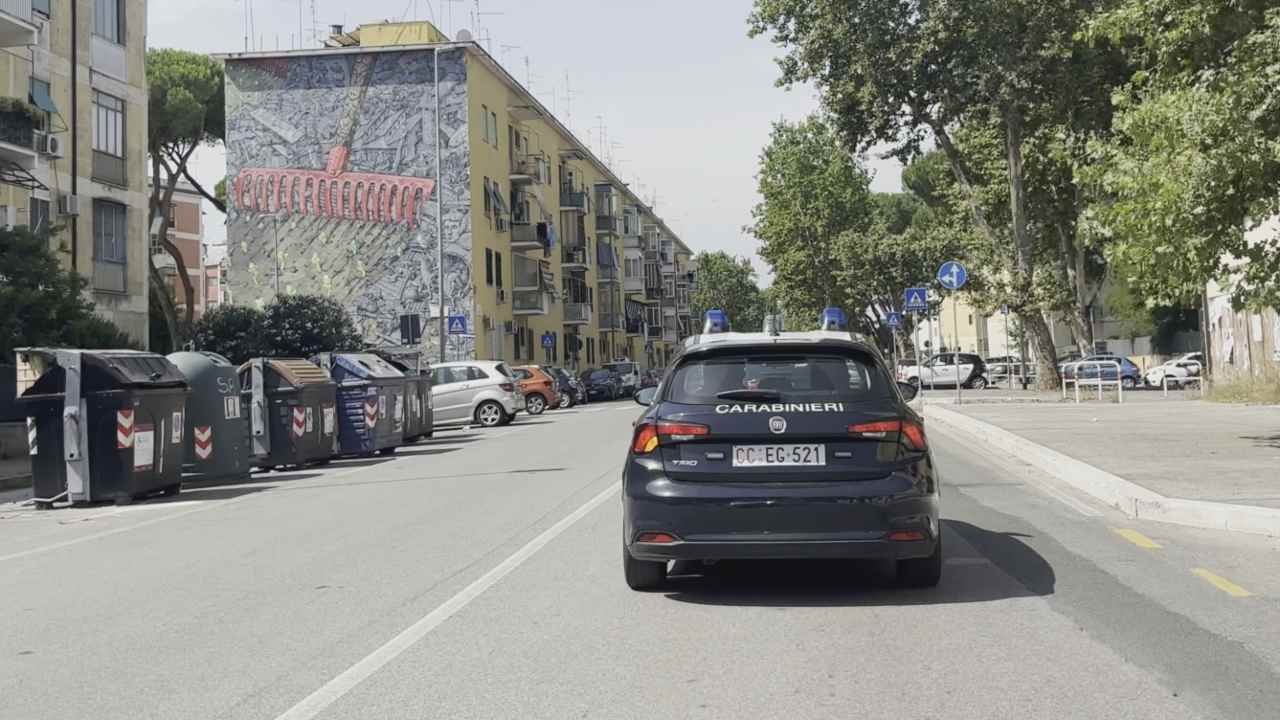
186 232
73 124
422 179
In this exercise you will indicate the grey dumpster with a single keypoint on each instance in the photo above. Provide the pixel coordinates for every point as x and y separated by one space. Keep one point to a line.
217 435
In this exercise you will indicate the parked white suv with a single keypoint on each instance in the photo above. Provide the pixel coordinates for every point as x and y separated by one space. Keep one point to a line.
1178 370
481 392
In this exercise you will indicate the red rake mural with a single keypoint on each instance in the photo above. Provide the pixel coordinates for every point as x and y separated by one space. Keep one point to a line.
333 192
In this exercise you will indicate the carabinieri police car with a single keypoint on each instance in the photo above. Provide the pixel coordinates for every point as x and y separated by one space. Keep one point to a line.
779 445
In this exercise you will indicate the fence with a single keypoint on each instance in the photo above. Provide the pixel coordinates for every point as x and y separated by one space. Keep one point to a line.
1075 370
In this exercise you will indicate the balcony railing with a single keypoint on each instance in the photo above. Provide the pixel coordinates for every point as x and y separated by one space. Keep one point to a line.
608 274
654 332
607 224
633 284
578 313
530 169
610 321
16 27
530 302
575 200
18 139
652 292
575 257
530 236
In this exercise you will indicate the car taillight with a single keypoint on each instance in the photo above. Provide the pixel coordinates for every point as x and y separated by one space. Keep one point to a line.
910 432
507 387
649 435
645 440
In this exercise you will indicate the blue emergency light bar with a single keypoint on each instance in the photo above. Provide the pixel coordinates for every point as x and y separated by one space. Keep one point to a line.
833 319
716 322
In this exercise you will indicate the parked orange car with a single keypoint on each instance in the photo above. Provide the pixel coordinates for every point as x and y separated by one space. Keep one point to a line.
538 387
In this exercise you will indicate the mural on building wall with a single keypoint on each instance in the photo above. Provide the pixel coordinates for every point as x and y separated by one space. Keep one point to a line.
331 173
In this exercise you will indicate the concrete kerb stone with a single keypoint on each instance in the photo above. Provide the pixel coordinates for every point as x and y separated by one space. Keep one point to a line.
1128 497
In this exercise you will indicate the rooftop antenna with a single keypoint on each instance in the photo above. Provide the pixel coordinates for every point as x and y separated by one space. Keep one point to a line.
483 32
503 50
568 101
299 45
315 28
448 5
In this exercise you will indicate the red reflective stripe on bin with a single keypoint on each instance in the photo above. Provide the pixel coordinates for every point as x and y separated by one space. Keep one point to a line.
203 441
371 412
124 429
299 421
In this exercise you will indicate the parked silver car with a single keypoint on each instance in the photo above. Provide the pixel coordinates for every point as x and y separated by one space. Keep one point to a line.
481 392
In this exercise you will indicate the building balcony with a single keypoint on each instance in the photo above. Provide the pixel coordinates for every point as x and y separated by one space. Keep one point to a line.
574 200
633 284
530 274
653 293
18 139
609 275
634 327
530 169
530 236
530 302
611 321
17 28
669 335
575 257
609 224
653 332
577 313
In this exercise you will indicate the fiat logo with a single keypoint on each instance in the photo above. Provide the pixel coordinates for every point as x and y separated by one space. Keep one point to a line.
777 425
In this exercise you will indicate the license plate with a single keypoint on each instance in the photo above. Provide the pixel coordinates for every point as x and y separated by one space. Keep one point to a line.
778 455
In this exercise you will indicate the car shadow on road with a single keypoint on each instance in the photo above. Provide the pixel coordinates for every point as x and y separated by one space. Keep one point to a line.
840 583
198 483
411 451
207 494
1265 441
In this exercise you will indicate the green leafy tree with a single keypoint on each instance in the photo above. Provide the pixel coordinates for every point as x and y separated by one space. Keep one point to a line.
1195 159
728 283
185 110
233 331
812 191
303 325
42 304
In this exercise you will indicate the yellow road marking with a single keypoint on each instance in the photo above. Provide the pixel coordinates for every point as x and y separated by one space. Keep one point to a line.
1222 583
1137 538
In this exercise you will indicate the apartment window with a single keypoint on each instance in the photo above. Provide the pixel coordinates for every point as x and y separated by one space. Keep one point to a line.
488 197
488 266
493 119
41 98
632 267
653 316
38 218
108 138
109 246
497 268
108 20
42 6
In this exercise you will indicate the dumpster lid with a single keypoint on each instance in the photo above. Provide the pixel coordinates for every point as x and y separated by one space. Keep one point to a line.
121 367
366 365
296 371
408 360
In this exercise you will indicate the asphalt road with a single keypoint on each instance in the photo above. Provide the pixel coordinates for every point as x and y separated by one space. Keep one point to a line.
478 575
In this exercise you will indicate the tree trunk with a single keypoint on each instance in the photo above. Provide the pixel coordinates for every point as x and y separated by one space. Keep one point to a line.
161 292
161 197
961 170
1041 340
1071 270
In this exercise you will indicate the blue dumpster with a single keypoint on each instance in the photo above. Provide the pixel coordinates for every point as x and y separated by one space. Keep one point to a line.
371 402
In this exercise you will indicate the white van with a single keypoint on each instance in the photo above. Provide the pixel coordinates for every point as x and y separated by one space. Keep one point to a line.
629 372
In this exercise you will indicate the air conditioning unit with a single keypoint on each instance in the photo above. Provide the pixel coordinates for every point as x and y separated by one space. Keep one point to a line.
47 144
68 204
502 296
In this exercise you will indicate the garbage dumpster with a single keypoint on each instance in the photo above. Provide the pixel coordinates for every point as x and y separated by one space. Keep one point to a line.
418 415
107 424
217 433
292 411
370 402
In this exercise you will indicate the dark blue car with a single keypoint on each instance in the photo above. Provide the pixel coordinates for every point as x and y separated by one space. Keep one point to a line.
779 445
1130 375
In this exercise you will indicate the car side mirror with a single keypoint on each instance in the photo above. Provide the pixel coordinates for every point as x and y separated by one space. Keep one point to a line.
645 396
908 391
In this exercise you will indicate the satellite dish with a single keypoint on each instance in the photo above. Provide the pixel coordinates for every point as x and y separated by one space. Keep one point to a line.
464 35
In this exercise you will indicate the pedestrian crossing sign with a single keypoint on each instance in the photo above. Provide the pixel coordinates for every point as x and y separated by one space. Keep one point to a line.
915 299
457 324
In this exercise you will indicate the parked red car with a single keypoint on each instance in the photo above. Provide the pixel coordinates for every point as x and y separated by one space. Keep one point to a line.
538 387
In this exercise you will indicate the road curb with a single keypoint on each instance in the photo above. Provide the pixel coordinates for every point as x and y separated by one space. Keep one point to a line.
1126 496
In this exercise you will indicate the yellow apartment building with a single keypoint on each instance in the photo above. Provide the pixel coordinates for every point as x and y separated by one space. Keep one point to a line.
73 129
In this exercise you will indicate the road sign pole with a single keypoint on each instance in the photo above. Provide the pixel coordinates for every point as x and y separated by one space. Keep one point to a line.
955 337
932 349
1009 367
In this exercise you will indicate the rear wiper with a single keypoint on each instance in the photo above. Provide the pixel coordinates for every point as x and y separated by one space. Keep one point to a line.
745 394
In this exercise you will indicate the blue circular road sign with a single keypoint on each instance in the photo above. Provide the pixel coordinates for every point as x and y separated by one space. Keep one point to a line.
952 275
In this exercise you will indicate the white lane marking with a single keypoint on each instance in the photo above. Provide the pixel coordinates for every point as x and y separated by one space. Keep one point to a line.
172 516
330 692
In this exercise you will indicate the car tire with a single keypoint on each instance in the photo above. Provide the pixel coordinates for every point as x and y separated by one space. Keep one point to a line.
643 575
1128 383
978 383
535 404
923 572
566 401
489 414
914 381
387 451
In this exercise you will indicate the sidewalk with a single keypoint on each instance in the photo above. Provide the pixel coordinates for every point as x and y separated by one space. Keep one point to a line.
1180 459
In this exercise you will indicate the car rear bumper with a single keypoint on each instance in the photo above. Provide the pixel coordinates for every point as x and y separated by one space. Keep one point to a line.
713 521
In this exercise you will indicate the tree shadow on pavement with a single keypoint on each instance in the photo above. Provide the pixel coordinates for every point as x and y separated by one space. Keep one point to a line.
425 450
1266 441
1005 567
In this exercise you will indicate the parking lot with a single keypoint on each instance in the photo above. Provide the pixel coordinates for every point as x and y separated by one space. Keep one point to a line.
477 574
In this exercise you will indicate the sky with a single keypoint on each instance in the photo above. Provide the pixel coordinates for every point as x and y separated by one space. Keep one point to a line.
673 93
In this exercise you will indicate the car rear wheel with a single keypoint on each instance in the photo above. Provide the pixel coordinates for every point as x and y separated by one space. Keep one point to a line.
489 414
566 401
922 572
643 574
1128 383
535 404
979 383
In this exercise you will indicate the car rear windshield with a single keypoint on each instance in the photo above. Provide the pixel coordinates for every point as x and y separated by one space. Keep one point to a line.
785 376
599 375
624 368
